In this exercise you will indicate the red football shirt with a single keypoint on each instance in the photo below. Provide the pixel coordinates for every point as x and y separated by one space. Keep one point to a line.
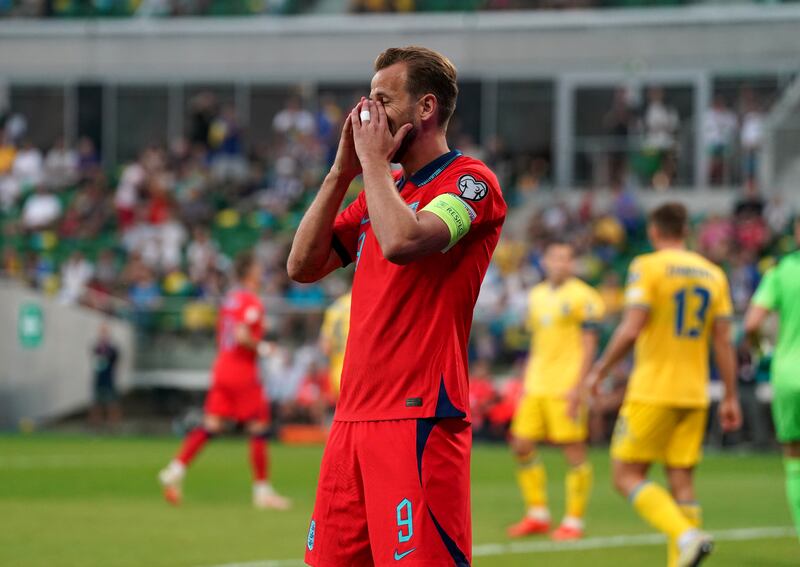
406 354
236 364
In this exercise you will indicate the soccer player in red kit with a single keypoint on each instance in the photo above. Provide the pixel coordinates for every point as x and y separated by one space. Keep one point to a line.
394 480
236 393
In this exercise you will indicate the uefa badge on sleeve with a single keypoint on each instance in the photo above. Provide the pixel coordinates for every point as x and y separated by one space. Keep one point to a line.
311 531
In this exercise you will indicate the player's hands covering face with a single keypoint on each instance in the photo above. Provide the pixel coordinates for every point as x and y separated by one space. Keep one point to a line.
346 163
373 139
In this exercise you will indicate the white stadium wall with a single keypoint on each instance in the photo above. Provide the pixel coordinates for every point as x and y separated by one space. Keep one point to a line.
46 367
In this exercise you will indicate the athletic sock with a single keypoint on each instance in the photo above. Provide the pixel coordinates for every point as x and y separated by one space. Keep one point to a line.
194 441
578 484
692 512
793 489
532 480
258 458
657 508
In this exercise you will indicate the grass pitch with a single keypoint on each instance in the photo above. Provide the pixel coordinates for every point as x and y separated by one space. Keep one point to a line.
94 502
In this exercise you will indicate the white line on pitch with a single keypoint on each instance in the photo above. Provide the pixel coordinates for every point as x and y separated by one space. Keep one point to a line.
526 547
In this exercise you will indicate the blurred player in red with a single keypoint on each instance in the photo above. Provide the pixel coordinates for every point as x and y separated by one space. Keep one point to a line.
394 480
236 393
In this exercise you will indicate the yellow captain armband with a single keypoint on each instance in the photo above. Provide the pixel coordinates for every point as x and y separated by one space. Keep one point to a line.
455 213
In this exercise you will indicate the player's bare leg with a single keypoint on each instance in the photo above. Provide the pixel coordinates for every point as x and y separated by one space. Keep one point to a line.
658 508
578 486
791 454
533 483
264 495
171 477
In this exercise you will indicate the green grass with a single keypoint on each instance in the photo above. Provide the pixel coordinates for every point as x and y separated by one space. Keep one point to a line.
75 501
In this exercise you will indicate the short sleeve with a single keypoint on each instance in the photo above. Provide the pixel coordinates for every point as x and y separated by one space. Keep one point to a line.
347 228
767 295
639 290
723 308
468 199
592 310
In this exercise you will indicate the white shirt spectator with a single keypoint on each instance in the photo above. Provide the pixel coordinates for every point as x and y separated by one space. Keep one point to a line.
128 189
201 254
719 127
661 124
172 236
75 276
61 166
752 133
40 210
28 166
297 120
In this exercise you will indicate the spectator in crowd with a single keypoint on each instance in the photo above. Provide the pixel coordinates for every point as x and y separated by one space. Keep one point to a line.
89 211
617 124
88 158
224 140
171 237
76 273
294 120
41 210
719 132
145 298
60 165
127 195
8 152
28 168
751 139
201 254
105 357
660 138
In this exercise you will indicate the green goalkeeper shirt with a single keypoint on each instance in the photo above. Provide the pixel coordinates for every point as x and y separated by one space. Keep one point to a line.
780 291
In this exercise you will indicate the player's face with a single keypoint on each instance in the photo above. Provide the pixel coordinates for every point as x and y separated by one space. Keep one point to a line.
255 275
558 262
389 87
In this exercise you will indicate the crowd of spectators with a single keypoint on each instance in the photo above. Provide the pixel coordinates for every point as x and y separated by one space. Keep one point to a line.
147 8
157 236
167 223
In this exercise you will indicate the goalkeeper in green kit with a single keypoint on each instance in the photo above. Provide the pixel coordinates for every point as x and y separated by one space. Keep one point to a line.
779 291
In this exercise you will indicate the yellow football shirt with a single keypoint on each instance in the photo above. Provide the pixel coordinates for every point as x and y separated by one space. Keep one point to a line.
684 294
335 327
557 317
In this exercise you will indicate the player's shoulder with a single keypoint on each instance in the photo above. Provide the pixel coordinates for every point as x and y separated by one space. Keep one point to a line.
644 261
583 289
472 179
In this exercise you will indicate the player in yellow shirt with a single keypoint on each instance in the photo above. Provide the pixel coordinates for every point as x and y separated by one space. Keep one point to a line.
333 338
677 304
563 315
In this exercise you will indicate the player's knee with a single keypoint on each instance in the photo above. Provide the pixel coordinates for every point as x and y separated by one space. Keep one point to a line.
623 480
523 449
212 425
792 450
258 430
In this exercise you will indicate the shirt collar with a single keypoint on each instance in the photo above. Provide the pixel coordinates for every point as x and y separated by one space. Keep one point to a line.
429 172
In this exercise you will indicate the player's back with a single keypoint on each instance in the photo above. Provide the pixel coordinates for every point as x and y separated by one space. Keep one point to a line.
684 293
235 362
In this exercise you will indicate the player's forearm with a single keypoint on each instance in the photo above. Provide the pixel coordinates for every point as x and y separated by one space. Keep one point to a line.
620 345
589 341
311 247
395 225
725 357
